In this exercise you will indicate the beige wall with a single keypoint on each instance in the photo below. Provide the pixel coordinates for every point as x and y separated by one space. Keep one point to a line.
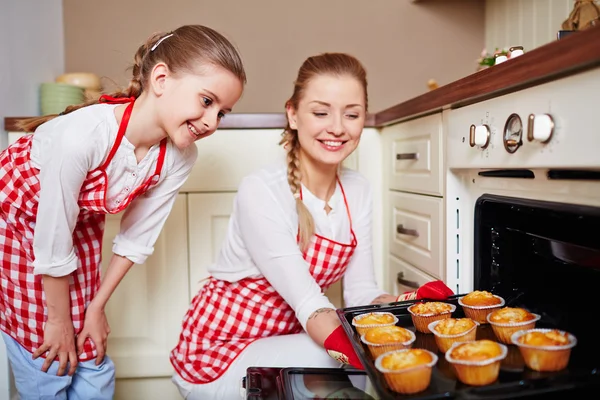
402 43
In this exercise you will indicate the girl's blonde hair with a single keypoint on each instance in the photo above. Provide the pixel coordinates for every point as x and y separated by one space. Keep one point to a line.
334 64
184 49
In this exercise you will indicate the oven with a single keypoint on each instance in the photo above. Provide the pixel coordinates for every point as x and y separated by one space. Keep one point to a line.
523 211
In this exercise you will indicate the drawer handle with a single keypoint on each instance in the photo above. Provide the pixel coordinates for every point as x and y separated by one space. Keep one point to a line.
407 156
401 281
410 232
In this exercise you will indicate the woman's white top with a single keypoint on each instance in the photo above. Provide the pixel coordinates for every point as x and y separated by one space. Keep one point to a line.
65 149
261 239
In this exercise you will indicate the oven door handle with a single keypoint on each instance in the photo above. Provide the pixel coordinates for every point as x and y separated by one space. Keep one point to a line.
401 281
404 231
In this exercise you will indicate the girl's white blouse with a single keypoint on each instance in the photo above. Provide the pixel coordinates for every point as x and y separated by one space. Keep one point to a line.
65 149
261 239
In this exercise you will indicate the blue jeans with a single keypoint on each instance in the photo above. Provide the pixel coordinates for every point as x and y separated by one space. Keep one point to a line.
90 381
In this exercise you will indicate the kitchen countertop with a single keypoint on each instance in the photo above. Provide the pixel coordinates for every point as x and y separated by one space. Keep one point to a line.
575 53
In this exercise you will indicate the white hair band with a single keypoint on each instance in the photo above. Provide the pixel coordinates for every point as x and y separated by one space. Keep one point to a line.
160 41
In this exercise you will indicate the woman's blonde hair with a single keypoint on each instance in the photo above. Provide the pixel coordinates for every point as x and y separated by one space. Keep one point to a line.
334 64
184 49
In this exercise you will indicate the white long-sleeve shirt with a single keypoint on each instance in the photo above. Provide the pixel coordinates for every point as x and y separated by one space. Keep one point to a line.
65 149
261 239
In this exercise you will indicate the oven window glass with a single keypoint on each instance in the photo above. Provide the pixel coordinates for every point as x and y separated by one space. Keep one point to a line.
545 257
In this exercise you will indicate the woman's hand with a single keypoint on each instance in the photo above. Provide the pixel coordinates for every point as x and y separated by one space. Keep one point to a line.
96 328
59 341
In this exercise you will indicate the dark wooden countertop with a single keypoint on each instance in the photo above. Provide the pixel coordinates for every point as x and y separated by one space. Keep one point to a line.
575 53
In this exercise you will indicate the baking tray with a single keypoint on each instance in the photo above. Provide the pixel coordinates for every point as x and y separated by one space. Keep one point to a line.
514 381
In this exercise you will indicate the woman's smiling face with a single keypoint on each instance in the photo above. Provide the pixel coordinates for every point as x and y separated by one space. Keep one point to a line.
329 118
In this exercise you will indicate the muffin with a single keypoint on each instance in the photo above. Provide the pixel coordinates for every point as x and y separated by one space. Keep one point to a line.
423 314
406 371
451 330
545 349
508 320
382 339
363 322
479 303
476 363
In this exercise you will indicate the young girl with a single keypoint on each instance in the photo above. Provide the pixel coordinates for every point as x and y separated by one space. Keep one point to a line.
130 151
296 228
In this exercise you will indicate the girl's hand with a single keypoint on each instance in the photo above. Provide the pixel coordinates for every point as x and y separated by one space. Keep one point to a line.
59 340
96 328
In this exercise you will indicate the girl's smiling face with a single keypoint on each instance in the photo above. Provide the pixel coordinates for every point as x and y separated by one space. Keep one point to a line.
329 119
194 104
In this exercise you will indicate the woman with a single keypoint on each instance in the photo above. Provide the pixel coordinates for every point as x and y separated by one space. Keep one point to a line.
296 228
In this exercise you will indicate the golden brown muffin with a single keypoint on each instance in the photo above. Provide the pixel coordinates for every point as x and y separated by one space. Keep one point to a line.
509 315
364 322
509 320
451 330
478 350
478 304
430 308
375 319
423 314
545 349
388 334
481 298
549 338
381 339
407 371
454 326
477 363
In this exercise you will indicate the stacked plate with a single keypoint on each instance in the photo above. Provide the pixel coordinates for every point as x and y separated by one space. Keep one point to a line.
55 97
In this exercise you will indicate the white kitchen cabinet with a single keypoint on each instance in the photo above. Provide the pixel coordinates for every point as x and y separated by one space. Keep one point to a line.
413 183
208 218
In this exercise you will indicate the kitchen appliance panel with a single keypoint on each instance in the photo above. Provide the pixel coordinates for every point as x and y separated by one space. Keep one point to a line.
572 104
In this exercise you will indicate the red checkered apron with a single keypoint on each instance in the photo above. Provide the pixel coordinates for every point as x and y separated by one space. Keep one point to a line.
22 302
225 317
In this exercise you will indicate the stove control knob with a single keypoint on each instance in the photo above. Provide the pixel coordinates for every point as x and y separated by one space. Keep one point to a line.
479 136
540 128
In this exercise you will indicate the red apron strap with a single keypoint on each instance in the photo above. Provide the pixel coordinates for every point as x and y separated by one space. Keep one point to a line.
161 156
346 204
120 134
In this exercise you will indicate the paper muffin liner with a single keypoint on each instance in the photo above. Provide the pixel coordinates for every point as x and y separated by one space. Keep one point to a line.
422 321
480 313
376 349
504 331
444 342
408 380
514 360
362 329
544 358
477 373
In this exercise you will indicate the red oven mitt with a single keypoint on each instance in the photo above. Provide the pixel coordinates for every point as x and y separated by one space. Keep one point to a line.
435 290
340 348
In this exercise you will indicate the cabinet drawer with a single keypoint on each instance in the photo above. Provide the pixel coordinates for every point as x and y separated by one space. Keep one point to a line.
404 277
416 231
414 155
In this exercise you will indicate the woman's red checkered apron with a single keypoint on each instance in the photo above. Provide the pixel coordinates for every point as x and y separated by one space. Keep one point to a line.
225 317
22 302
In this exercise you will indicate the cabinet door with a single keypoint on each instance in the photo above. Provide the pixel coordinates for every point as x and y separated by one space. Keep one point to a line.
208 220
208 215
146 309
